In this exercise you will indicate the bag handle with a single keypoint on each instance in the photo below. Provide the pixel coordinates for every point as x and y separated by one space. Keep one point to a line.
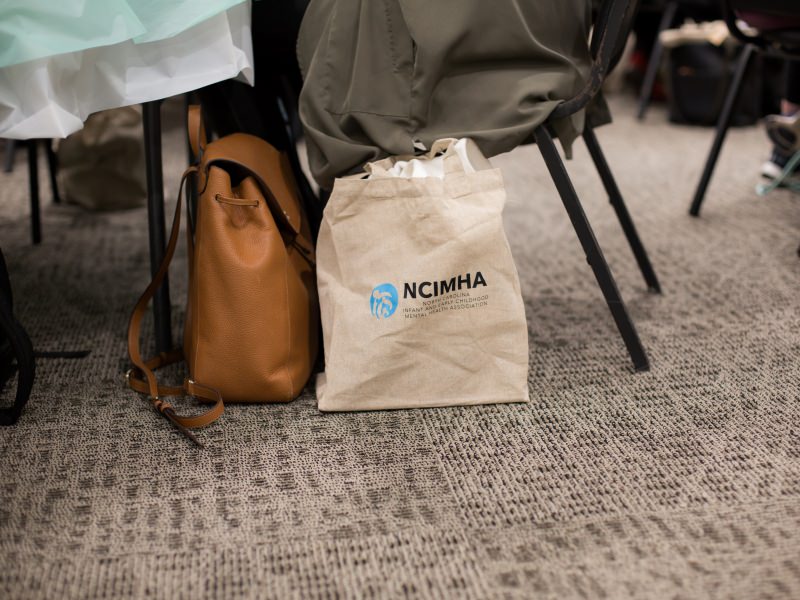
454 159
270 168
381 166
197 131
141 377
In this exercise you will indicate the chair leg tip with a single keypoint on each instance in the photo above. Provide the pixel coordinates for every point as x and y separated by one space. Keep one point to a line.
643 368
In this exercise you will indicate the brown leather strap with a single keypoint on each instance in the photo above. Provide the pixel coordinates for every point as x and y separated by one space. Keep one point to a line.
197 131
142 376
137 383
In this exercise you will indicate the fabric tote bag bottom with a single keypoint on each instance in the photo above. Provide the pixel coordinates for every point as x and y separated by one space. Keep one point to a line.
420 299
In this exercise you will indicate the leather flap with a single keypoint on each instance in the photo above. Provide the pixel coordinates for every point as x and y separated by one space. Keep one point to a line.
269 167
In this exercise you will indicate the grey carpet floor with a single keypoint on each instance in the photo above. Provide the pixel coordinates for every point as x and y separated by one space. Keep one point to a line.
683 482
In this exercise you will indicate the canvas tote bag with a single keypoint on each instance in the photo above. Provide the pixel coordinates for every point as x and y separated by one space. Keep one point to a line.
419 295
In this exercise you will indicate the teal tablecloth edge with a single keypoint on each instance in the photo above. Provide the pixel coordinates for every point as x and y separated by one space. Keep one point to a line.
35 29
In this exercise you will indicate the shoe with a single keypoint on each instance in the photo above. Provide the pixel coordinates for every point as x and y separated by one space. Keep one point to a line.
773 169
784 132
782 171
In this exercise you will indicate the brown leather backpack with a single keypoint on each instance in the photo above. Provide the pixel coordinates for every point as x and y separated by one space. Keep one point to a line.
252 316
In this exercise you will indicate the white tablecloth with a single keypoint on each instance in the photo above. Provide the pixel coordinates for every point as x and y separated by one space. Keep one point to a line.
50 97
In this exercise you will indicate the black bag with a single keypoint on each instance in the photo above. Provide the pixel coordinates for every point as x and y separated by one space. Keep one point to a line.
16 351
699 75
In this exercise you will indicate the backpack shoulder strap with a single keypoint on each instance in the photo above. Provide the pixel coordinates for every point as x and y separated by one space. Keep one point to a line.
141 377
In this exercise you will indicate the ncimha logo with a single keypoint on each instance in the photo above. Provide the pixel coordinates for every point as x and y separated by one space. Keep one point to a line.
383 301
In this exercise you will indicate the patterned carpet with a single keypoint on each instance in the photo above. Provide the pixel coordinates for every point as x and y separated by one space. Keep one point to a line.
683 482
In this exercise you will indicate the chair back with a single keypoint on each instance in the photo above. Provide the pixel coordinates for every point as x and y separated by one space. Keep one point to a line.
777 8
609 38
611 28
782 41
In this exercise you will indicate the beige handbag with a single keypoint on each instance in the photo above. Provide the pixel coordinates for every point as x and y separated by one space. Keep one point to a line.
107 153
251 330
419 295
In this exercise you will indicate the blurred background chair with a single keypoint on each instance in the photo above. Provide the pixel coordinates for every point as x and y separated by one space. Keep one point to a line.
783 41
33 177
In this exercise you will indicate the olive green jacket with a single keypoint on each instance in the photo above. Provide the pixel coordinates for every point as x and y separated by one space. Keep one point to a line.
382 75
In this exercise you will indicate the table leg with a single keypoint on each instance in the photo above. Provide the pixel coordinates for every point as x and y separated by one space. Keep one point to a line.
151 118
33 182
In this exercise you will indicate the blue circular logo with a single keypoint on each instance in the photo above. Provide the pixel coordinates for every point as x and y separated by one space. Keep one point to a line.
383 301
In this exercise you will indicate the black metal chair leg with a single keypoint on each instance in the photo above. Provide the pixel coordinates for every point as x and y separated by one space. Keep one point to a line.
615 197
151 119
723 124
52 166
667 19
590 246
8 160
33 183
